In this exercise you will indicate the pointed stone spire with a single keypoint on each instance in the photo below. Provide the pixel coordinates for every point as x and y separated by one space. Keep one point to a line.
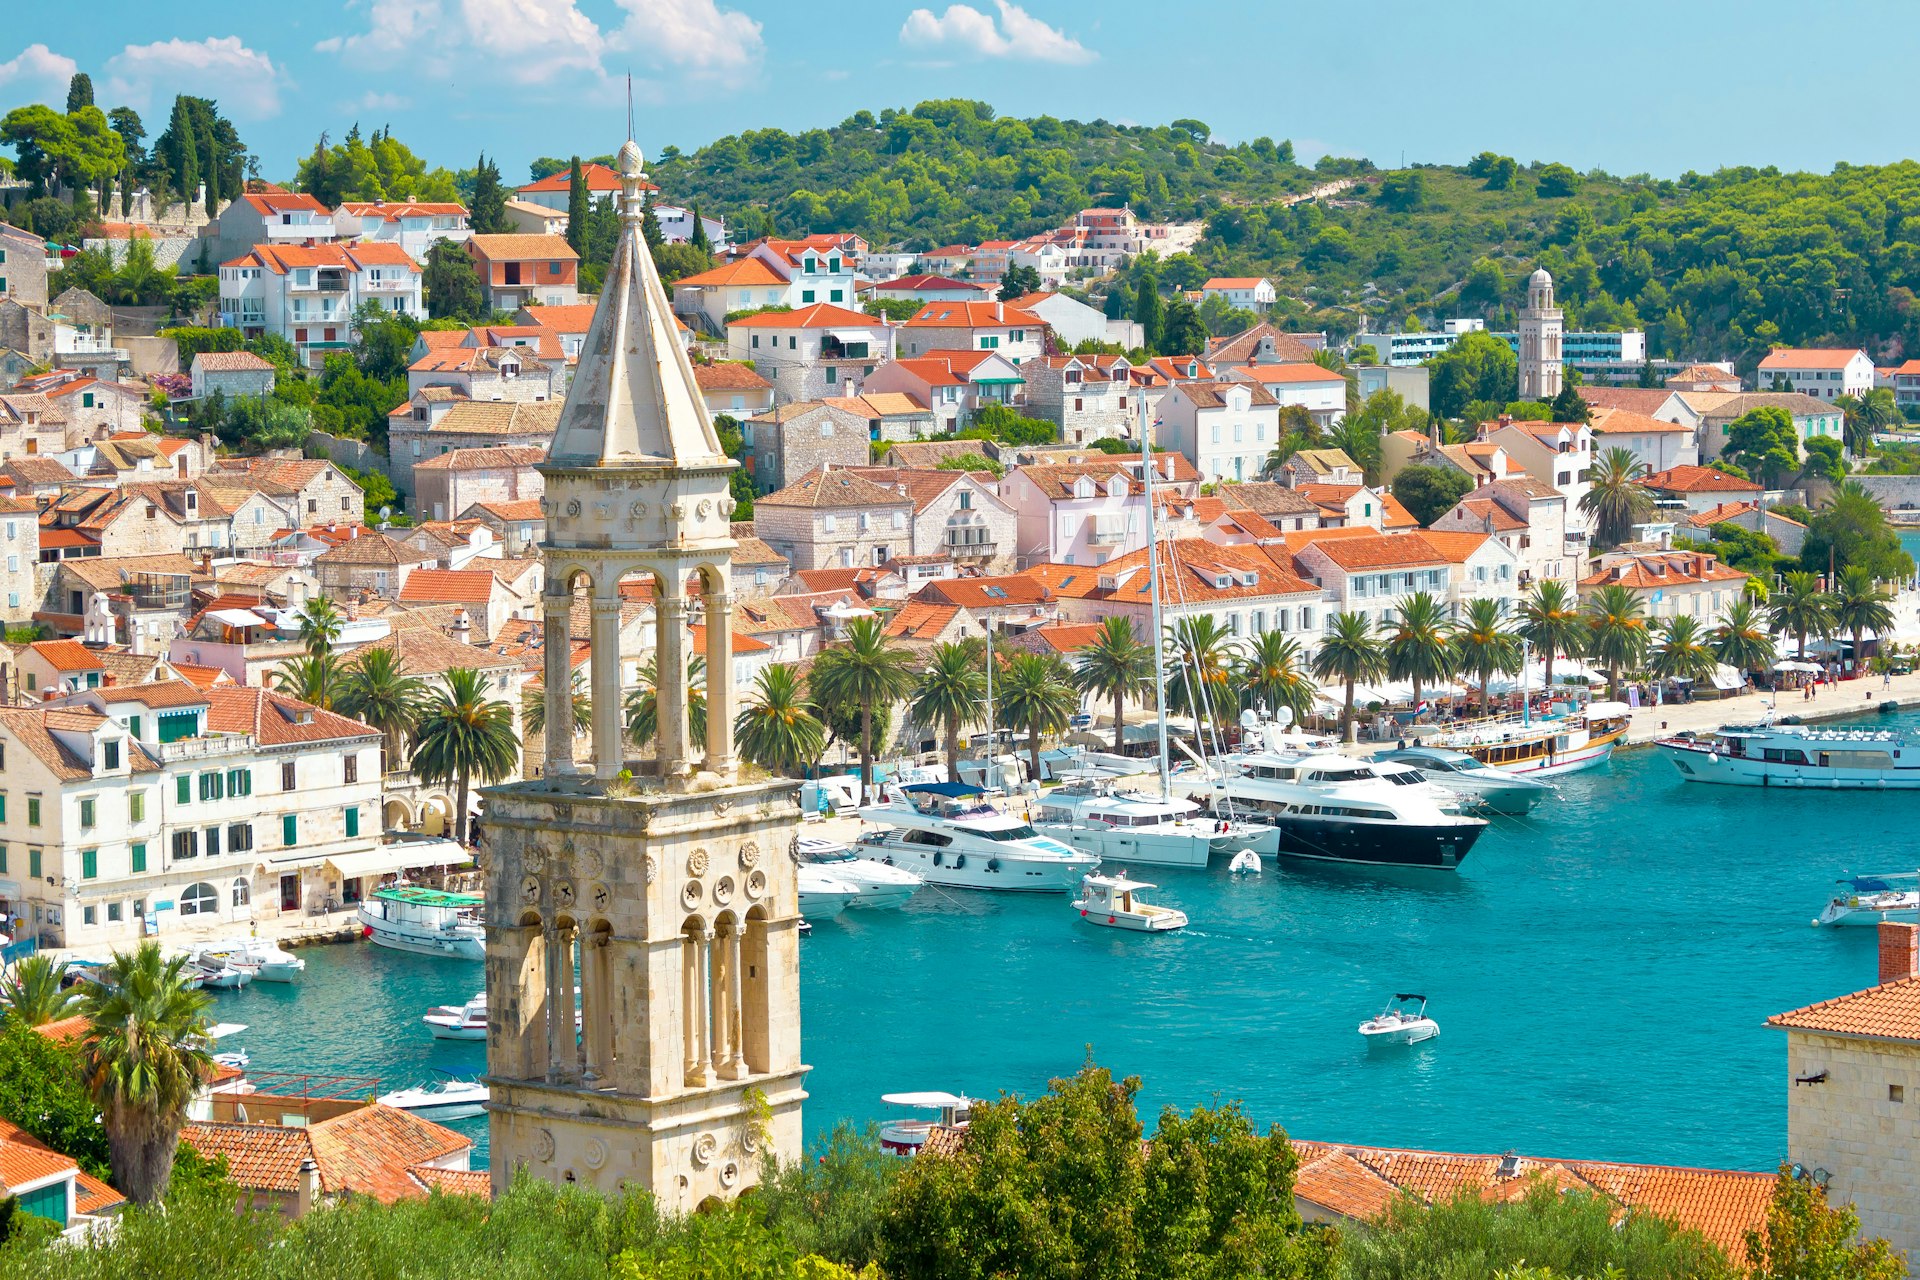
633 400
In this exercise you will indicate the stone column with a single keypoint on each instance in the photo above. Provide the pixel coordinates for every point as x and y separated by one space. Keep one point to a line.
691 998
722 698
703 1005
737 1017
670 682
593 1003
609 707
556 638
719 984
557 1055
568 1066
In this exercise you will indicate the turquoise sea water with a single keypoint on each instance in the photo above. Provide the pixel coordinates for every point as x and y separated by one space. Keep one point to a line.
1600 972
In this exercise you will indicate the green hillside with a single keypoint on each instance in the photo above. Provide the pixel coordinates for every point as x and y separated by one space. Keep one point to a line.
1715 265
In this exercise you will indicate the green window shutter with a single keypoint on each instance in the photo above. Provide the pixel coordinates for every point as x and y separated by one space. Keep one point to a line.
86 813
3 859
353 822
48 1202
140 857
183 789
133 725
289 829
33 811
137 806
33 863
3 806
89 864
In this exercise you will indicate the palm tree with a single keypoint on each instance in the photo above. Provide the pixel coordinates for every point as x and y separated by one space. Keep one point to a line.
533 707
462 734
777 729
375 691
1801 608
1417 647
310 679
1865 415
1115 664
1860 605
1550 622
1616 500
1484 643
951 693
34 992
1036 694
867 670
1349 652
1275 674
320 624
1200 675
643 704
1685 651
143 1059
1616 630
1744 639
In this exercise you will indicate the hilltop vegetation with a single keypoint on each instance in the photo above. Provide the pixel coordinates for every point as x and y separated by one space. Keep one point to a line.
1714 265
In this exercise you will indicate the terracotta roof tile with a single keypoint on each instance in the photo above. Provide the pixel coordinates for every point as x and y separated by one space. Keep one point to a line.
506 457
370 1150
460 586
1610 421
1691 479
1809 358
921 620
276 720
510 248
263 1157
67 655
729 375
1381 551
838 488
1890 1011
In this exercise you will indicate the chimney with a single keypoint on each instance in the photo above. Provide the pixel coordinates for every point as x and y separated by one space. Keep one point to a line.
307 1194
1899 951
462 625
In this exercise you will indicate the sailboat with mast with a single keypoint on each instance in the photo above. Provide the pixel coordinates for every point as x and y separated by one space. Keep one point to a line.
1135 827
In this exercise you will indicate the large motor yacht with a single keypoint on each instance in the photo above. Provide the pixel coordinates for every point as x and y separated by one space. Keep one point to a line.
876 885
1796 755
947 835
1133 827
1493 790
1327 807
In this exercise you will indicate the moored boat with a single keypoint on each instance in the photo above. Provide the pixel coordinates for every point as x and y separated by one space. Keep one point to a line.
1129 826
823 896
1821 757
269 963
1867 900
1494 790
428 922
1582 739
877 886
944 833
905 1136
448 1099
1403 1021
458 1022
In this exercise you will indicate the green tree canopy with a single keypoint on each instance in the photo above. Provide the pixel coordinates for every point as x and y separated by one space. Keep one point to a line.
1430 492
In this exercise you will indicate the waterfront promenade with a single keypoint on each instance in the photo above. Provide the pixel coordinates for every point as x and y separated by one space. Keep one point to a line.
1848 699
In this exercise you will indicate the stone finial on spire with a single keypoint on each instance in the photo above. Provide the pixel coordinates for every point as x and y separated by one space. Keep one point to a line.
633 173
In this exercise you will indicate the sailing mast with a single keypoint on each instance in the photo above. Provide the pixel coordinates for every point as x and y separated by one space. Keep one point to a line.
1153 593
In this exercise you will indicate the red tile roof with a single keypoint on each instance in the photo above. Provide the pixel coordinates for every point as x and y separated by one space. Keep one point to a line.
599 177
820 315
1809 358
1606 421
67 655
745 272
922 620
448 586
1890 1011
275 719
975 315
729 375
1691 479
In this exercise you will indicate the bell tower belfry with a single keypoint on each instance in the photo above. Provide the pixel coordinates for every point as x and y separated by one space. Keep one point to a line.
656 895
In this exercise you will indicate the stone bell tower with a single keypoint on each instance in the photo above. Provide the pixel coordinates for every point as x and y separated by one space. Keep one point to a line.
664 901
1541 329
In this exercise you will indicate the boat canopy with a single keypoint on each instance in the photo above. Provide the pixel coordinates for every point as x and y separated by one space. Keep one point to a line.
952 790
1409 995
423 897
932 1099
389 858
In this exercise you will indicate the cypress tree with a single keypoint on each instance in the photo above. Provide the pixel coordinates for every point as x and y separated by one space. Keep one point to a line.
650 226
489 207
699 239
79 92
1146 308
577 198
183 152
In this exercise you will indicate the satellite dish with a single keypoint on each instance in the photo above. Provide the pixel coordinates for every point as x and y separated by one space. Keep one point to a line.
1249 719
386 512
1283 717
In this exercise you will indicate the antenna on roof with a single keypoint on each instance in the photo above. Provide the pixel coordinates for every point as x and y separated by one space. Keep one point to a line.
629 104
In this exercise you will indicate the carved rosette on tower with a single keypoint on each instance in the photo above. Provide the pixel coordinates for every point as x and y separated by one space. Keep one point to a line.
651 906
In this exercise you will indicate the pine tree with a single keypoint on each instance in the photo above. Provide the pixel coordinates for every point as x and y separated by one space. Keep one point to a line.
577 198
488 208
79 92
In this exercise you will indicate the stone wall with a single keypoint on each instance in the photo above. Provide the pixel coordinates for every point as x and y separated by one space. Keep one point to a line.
1859 1129
1894 493
342 452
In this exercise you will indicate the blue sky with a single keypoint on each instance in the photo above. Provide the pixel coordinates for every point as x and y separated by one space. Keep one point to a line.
1629 86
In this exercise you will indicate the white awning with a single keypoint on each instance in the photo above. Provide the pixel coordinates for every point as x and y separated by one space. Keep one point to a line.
388 858
1725 677
239 618
852 335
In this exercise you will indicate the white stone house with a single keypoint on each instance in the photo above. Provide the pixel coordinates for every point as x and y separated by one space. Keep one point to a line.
274 218
1654 442
1249 293
232 373
957 515
308 294
1090 512
1090 397
1226 429
1530 518
1825 373
1669 584
835 520
818 350
1321 392
1074 322
1555 453
1374 573
999 327
954 385
415 226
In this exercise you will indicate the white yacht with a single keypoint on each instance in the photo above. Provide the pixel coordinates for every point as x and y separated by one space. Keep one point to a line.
942 832
878 885
1133 827
1114 902
1581 739
1327 807
823 895
458 1022
1494 790
269 963
1796 755
430 922
1870 899
904 1136
448 1099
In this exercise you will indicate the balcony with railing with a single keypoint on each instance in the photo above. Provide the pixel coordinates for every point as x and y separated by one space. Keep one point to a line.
285 232
202 748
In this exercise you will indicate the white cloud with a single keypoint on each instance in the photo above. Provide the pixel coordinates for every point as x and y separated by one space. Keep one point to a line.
1017 35
533 40
36 73
244 81
372 101
694 35
393 27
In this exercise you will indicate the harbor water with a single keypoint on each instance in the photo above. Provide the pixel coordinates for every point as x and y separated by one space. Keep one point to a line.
1601 972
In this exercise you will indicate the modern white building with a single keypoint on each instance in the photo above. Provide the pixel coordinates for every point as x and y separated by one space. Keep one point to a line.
415 227
1825 373
1251 293
1321 392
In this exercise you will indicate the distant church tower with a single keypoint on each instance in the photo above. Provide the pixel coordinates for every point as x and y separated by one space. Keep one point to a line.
667 902
1541 326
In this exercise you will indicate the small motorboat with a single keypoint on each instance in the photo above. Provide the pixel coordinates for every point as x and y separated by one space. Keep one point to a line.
1870 899
1246 862
463 1022
1403 1021
222 973
879 886
210 1040
268 962
824 896
448 1099
1112 902
905 1135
